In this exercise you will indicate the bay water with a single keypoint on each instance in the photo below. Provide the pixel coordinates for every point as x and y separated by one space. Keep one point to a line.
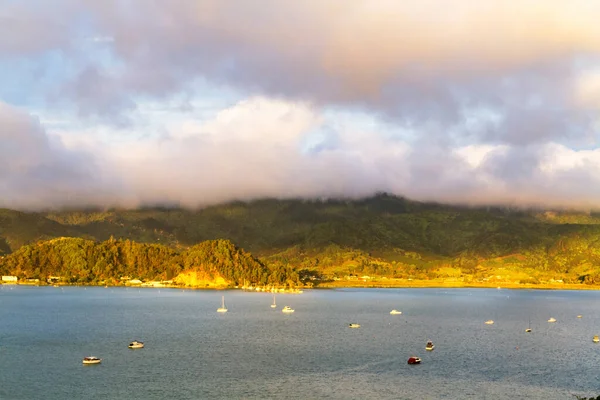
256 352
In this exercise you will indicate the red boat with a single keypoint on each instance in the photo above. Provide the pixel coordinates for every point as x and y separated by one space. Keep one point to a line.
414 360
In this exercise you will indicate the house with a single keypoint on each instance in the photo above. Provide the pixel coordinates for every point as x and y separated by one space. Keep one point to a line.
134 282
9 278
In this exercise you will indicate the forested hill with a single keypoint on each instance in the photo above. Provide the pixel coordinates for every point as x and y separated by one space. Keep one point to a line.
381 235
376 225
207 264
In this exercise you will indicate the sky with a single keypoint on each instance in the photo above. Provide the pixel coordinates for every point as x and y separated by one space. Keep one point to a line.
126 103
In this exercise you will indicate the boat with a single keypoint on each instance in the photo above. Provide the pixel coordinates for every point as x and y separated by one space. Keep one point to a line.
222 308
91 360
429 346
395 312
489 322
136 344
580 316
287 310
414 360
274 305
528 326
353 325
595 339
552 319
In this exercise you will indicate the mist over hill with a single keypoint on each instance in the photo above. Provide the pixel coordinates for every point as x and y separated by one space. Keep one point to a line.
384 235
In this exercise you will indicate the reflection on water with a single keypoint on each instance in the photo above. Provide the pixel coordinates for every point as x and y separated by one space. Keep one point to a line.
255 351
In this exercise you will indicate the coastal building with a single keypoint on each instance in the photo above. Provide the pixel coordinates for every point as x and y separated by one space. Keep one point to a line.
9 278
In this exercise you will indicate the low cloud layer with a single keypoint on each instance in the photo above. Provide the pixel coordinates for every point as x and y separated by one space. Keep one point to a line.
258 148
496 102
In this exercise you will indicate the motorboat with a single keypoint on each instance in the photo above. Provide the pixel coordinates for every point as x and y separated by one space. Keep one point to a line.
429 346
595 339
395 312
528 330
552 319
287 310
489 322
222 308
353 325
274 305
414 360
528 326
136 344
91 360
580 316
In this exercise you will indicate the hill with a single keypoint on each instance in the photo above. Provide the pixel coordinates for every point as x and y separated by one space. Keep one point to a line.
216 263
383 236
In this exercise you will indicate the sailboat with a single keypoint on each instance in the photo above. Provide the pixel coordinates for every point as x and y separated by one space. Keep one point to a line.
222 308
528 326
274 305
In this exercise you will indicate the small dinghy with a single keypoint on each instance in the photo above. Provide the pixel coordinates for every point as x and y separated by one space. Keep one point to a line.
91 360
414 360
136 344
353 325
429 346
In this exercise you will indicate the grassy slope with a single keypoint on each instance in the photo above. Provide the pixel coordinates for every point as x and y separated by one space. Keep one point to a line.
384 227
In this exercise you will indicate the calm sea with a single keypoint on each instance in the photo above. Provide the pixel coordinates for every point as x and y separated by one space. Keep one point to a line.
256 352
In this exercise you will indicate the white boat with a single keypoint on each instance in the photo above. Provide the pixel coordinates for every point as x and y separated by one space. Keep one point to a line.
287 310
353 325
552 319
528 326
91 360
395 312
580 316
222 308
274 305
429 346
489 322
595 339
136 344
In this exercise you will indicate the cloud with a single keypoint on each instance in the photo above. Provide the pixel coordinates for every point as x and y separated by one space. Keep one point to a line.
481 102
411 61
38 171
257 148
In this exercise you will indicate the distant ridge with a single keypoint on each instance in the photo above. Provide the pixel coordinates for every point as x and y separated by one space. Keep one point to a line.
385 235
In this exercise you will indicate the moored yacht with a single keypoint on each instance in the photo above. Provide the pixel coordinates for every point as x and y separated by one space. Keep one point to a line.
429 346
395 312
353 325
595 339
287 310
136 344
91 360
489 322
552 319
222 308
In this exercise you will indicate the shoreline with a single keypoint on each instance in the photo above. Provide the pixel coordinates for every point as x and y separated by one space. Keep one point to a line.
415 284
422 284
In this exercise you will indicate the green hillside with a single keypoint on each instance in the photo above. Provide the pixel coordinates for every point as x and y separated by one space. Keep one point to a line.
80 261
382 236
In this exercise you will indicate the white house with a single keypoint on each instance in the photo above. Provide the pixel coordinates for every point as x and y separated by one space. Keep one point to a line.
9 278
